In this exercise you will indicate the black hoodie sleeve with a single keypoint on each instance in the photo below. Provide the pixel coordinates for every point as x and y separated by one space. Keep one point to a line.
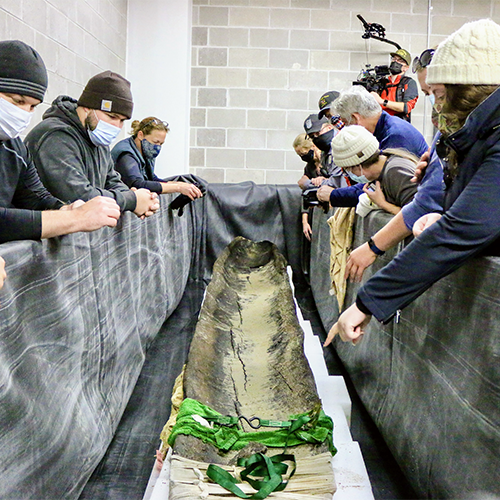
18 224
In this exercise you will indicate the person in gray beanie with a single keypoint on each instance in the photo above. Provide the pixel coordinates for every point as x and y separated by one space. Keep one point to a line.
70 147
27 209
464 76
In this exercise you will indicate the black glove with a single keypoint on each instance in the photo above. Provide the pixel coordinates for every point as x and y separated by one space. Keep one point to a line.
182 200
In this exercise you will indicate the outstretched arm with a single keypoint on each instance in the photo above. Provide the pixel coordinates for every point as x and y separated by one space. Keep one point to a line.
390 235
94 214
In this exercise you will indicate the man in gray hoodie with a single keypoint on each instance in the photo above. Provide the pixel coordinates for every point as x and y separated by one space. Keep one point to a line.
70 147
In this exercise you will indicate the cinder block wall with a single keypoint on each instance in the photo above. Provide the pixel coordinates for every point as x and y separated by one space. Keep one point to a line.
260 66
76 39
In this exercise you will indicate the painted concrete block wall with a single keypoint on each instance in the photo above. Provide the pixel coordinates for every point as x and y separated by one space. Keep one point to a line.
260 66
76 38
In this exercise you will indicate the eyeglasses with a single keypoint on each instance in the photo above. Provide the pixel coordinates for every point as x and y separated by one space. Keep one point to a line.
423 61
156 122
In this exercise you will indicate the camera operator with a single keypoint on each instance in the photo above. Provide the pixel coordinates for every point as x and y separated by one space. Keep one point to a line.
400 95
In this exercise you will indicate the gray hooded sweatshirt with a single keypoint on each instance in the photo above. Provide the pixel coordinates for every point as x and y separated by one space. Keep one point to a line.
70 166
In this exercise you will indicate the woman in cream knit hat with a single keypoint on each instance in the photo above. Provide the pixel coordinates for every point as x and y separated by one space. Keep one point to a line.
464 75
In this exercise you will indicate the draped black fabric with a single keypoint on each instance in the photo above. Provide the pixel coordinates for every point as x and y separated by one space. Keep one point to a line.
431 382
256 212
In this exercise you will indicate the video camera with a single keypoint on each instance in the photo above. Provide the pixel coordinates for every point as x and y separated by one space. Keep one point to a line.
310 199
374 79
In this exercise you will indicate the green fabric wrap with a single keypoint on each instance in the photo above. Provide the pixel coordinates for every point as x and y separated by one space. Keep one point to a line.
227 438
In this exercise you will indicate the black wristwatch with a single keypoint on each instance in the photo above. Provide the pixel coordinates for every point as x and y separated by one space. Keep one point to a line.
386 102
374 248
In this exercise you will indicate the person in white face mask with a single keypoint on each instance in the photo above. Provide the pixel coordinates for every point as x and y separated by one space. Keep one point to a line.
27 209
70 147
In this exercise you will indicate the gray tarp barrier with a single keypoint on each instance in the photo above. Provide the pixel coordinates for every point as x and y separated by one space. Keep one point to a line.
77 315
432 381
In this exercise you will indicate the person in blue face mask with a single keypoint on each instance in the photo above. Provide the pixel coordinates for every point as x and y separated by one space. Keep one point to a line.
70 147
135 159
385 175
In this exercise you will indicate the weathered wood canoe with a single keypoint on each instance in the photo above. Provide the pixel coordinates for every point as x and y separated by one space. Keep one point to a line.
247 358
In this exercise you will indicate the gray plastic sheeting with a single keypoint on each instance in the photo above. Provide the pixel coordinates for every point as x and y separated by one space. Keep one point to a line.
432 381
77 316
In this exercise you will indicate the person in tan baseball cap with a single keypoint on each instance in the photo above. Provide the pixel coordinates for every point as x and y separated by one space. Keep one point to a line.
400 94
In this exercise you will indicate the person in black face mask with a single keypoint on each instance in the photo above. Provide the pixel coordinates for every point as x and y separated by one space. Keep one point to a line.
400 95
314 173
322 132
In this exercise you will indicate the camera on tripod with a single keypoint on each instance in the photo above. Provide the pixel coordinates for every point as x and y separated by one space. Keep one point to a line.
374 79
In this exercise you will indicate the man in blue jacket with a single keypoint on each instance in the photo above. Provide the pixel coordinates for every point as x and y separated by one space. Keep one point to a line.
358 107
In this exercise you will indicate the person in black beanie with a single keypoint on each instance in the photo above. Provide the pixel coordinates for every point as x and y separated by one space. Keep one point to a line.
70 147
27 209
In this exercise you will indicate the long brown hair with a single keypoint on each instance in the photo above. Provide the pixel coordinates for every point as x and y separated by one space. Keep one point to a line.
461 101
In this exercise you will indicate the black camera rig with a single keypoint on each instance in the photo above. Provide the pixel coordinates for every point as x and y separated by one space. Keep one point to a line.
374 79
310 199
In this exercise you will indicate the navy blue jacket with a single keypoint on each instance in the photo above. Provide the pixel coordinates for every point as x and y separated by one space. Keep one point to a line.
134 169
469 226
391 132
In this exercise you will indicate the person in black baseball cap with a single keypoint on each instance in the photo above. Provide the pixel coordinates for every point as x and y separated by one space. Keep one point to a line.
325 103
321 131
28 210
70 147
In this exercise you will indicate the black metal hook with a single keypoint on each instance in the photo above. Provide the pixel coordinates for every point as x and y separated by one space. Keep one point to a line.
250 421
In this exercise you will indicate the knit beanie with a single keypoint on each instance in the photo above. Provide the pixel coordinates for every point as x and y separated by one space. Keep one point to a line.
108 92
471 55
22 70
353 145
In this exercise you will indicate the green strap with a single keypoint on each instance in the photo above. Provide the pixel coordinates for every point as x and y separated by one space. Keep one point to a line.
268 469
313 427
223 420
